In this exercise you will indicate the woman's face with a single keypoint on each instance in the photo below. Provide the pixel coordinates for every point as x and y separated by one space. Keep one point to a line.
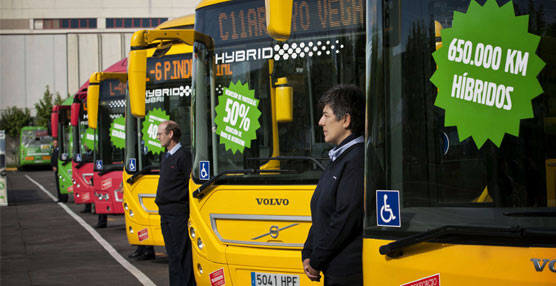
335 131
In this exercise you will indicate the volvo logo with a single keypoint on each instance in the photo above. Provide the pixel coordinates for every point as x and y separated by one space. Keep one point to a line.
274 231
540 264
272 202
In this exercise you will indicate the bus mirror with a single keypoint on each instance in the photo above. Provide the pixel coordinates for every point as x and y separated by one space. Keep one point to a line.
284 101
279 18
75 113
54 121
437 31
137 75
92 100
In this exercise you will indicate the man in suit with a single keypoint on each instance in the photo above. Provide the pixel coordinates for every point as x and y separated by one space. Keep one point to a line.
173 203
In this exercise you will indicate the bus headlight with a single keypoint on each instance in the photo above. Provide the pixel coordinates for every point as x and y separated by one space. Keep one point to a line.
200 243
192 232
78 186
126 207
131 214
131 230
106 196
200 268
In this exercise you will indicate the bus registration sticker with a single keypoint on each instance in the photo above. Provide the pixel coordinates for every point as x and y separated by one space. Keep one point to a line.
143 234
433 280
217 278
237 117
274 279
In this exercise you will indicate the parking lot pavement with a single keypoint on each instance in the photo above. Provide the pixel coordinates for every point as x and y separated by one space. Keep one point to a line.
48 243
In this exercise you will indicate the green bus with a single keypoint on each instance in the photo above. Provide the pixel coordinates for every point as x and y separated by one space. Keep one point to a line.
35 146
61 130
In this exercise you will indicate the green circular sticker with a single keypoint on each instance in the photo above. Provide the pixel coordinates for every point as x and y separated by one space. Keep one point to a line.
150 128
89 138
237 117
487 72
117 132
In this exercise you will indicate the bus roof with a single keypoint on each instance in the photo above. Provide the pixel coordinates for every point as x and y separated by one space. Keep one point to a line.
205 3
186 21
119 66
82 91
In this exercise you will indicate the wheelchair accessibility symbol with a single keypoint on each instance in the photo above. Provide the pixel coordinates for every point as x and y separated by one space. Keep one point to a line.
99 165
388 208
204 170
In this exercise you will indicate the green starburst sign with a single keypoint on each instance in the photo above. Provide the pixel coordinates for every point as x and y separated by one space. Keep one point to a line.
150 128
117 132
237 117
487 72
89 138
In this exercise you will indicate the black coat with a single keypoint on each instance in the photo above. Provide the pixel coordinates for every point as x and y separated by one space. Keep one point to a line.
334 243
54 157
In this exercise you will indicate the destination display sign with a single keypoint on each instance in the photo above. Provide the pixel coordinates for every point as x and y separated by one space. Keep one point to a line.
169 68
247 21
112 89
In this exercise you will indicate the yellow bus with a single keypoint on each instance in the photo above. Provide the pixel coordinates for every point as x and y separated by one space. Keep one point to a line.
258 149
460 191
166 95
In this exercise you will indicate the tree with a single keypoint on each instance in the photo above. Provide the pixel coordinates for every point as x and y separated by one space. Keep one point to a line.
13 119
58 100
44 108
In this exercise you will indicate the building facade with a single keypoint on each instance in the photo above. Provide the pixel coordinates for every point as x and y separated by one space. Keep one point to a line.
59 43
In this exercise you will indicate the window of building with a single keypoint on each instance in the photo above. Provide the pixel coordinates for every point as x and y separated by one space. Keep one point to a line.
116 23
81 23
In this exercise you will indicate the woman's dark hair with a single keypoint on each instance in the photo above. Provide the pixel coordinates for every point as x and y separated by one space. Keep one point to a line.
346 99
173 126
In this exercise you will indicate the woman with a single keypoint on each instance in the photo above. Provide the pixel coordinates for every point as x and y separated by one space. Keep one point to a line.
334 243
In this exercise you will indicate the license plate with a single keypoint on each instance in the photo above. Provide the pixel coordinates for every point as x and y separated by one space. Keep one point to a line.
273 279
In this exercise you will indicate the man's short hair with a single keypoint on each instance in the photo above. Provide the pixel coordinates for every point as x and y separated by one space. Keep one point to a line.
173 126
346 99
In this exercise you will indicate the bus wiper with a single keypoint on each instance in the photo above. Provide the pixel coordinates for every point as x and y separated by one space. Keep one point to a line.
309 158
147 170
111 169
394 249
198 193
533 213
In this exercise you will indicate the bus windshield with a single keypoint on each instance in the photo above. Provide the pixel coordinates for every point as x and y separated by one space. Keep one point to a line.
36 138
235 83
168 97
65 135
80 133
443 176
111 107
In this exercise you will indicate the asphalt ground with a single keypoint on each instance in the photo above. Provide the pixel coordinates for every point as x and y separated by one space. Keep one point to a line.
47 243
